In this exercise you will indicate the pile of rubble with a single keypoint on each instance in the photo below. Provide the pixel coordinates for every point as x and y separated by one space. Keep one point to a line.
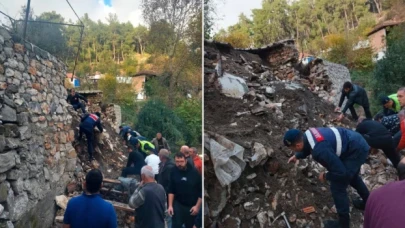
248 107
110 157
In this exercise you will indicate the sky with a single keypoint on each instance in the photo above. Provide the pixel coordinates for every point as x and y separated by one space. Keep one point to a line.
126 10
229 10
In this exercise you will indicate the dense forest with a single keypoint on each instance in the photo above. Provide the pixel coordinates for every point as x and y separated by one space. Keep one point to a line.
168 45
325 29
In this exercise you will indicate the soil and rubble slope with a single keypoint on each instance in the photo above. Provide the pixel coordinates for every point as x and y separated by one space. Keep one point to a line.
273 103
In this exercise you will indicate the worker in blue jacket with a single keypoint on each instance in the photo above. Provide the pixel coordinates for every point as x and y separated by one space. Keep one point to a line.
123 131
88 122
341 152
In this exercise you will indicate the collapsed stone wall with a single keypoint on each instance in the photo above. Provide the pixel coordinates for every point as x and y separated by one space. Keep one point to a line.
280 62
37 158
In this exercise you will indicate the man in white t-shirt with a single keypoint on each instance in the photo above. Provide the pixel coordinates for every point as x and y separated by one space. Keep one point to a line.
153 160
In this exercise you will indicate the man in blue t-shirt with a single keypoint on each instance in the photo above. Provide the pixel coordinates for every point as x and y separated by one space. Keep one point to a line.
89 210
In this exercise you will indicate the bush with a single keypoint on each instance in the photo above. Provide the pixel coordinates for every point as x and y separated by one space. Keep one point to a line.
155 117
191 112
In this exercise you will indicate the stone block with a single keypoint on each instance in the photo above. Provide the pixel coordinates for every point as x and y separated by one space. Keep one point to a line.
12 143
36 86
72 153
18 207
2 143
70 165
12 88
8 114
62 137
19 48
11 130
25 132
13 174
32 71
22 119
4 186
7 161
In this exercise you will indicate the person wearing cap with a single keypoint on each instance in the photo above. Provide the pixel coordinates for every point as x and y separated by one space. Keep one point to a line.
143 146
355 95
341 152
390 104
88 122
378 137
386 205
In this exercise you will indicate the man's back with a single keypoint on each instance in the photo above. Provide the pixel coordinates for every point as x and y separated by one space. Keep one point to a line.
152 213
90 211
385 206
373 129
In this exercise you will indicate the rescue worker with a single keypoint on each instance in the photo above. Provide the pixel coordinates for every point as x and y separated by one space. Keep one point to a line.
123 132
390 105
134 164
74 99
88 122
355 95
143 146
378 137
341 152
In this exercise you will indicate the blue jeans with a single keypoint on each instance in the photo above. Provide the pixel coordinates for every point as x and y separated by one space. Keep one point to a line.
81 106
169 221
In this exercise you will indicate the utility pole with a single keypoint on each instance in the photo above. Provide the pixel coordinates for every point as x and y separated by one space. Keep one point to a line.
27 12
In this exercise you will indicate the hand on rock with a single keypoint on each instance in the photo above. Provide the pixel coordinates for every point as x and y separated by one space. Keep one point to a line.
322 177
292 159
340 118
337 109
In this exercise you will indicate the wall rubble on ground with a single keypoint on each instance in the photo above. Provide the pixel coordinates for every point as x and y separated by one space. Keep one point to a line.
37 158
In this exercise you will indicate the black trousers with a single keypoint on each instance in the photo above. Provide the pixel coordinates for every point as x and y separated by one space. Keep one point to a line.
366 111
90 140
182 215
388 146
130 171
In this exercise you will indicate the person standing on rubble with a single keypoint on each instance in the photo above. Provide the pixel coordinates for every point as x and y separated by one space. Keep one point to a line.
89 209
185 193
341 152
355 95
160 142
165 168
386 205
149 201
88 122
74 99
378 137
134 164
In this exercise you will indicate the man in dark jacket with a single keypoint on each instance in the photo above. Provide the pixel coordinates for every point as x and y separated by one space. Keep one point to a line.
134 164
160 142
378 137
123 131
185 193
74 99
88 122
341 152
392 122
149 201
355 95
165 168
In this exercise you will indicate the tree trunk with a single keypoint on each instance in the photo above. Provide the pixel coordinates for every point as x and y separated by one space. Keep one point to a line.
355 15
377 6
347 21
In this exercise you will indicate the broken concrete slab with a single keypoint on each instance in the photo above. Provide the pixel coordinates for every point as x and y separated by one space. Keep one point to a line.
233 86
61 201
226 156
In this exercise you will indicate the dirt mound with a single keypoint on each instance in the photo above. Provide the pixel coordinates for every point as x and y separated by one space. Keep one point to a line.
259 120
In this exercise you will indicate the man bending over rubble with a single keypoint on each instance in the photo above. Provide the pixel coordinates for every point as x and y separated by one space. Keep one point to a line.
89 121
386 205
341 152
355 95
378 137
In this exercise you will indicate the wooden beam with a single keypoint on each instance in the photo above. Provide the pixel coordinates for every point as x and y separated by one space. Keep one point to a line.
112 181
121 206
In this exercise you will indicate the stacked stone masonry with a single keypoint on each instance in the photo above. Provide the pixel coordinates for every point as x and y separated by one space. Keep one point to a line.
36 154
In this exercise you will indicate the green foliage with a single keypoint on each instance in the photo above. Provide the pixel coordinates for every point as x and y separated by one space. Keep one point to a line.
155 117
191 112
389 72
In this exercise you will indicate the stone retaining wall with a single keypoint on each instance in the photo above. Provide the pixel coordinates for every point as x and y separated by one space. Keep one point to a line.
37 158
